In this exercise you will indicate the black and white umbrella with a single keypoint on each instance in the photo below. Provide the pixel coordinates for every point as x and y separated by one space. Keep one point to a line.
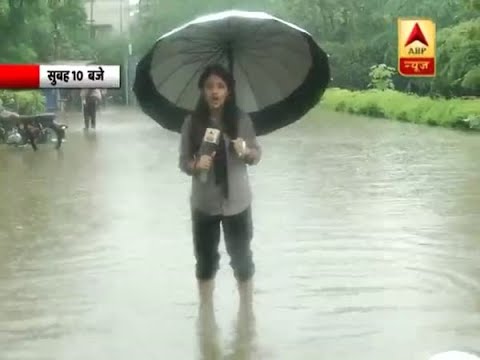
280 72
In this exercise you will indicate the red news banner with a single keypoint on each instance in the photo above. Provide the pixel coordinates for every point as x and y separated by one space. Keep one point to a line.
416 47
36 76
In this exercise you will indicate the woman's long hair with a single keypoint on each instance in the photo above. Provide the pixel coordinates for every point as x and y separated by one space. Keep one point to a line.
201 114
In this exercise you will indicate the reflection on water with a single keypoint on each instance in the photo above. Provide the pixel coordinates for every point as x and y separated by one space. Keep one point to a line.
366 244
208 334
243 345
455 355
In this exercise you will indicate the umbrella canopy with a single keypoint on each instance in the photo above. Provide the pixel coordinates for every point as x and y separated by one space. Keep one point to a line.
280 72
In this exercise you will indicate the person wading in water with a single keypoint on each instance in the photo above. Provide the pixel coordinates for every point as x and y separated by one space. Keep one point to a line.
225 197
90 100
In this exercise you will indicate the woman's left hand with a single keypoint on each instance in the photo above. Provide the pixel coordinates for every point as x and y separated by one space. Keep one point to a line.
240 147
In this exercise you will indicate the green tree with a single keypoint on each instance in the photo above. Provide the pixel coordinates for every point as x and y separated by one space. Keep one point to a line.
471 80
42 30
70 32
360 34
458 59
356 34
381 77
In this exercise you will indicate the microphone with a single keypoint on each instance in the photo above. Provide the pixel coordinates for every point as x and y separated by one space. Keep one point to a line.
211 139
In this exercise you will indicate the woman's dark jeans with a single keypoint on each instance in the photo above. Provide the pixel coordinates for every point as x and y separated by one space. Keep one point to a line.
237 232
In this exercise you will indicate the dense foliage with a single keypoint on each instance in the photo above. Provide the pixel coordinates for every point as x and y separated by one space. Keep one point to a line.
40 31
357 34
360 36
22 102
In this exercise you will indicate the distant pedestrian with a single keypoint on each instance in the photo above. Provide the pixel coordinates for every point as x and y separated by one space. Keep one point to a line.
104 97
91 98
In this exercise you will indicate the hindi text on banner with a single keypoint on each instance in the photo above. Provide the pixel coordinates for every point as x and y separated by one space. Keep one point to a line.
80 76
60 75
96 74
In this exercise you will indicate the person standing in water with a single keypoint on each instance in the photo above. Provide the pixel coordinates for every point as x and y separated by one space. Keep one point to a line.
91 98
103 93
225 197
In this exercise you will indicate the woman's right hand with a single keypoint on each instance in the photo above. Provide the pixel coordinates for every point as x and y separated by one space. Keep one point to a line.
205 162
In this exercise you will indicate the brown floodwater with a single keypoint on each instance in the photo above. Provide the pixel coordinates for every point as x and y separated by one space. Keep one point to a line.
367 246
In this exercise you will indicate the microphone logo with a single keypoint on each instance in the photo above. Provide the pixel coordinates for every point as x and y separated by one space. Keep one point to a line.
211 135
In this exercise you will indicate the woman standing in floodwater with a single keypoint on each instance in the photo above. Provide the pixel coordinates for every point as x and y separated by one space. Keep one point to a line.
225 197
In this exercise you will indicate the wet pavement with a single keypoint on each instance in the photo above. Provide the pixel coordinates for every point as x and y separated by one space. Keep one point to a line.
367 246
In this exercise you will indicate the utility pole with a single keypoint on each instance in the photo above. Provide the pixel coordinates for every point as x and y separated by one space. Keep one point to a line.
126 52
121 16
132 59
91 20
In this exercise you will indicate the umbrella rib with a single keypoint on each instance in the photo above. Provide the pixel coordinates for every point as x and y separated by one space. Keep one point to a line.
253 34
192 77
209 38
248 77
170 74
245 71
190 62
264 56
265 37
193 58
260 52
263 67
270 41
197 50
190 39
192 51
194 35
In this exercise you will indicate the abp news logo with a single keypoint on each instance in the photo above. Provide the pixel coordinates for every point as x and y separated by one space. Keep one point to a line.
416 47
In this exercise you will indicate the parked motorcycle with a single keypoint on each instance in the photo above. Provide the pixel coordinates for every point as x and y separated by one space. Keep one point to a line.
32 129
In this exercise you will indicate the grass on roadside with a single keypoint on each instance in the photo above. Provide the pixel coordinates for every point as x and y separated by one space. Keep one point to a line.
390 104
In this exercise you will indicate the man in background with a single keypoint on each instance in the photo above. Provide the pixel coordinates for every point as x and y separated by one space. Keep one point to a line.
104 97
91 98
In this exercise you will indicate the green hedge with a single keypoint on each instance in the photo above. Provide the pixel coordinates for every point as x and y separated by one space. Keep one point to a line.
390 104
24 102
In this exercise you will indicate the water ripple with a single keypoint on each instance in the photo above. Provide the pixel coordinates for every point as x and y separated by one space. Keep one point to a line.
366 244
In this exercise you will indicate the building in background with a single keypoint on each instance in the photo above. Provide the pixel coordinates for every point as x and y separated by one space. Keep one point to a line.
110 16
115 17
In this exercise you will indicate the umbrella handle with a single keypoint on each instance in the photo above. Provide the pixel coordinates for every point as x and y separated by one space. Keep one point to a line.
241 153
203 176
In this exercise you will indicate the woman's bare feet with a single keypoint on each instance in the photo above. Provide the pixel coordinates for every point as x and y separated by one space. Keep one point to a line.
207 326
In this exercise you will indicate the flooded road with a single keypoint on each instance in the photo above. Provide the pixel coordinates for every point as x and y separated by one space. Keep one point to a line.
367 246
